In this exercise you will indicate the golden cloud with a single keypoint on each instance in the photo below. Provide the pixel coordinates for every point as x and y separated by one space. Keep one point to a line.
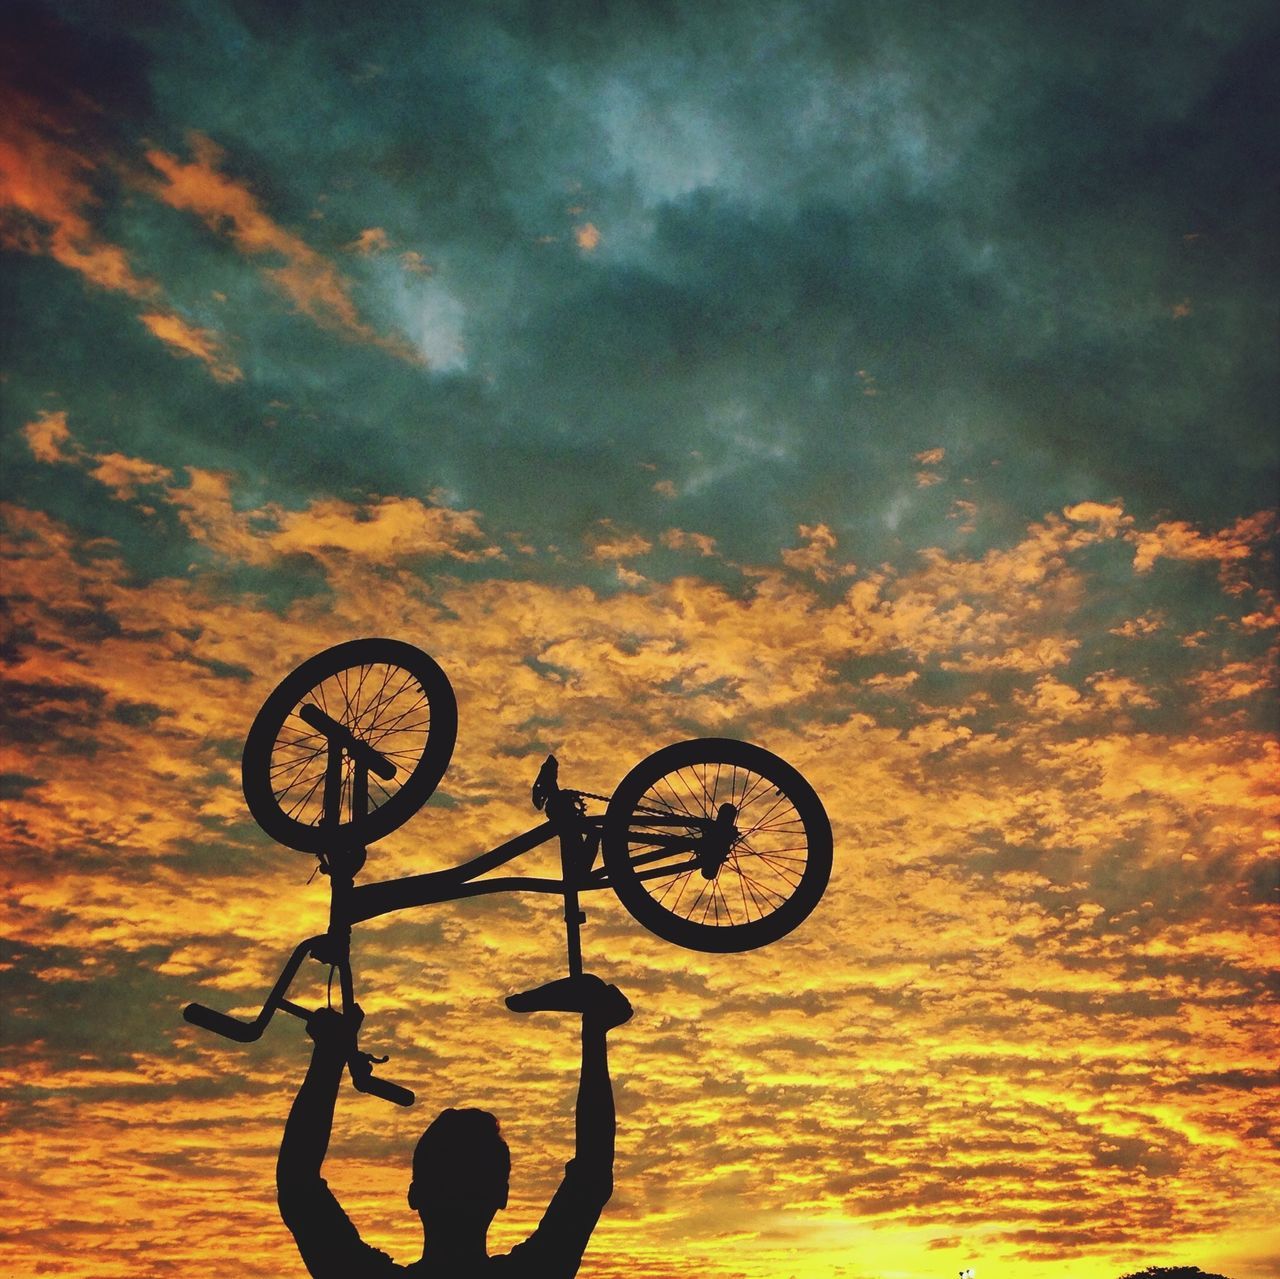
606 543
1029 1008
815 555
124 475
229 207
678 539
186 339
1229 547
46 194
47 437
45 190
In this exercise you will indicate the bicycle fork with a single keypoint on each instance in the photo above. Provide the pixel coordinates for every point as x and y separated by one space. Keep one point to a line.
334 946
321 948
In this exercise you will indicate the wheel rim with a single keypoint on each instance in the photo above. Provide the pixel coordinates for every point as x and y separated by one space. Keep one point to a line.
383 705
764 866
386 702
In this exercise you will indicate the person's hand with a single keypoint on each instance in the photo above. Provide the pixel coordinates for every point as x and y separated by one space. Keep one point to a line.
606 1007
602 1006
334 1033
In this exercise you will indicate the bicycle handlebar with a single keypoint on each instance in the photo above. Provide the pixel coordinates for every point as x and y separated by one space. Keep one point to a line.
244 1032
362 753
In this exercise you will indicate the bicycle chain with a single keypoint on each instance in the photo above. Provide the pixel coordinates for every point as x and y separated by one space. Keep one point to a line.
608 799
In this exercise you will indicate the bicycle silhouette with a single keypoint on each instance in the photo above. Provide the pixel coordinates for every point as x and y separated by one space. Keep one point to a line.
713 844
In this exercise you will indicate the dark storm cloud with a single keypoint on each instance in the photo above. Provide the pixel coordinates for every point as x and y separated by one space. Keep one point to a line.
1038 241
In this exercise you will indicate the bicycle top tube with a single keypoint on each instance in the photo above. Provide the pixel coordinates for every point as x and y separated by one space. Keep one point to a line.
367 901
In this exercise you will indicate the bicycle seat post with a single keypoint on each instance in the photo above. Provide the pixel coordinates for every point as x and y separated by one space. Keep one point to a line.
563 809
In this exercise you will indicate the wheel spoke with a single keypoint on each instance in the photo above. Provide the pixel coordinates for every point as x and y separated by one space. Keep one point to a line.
768 858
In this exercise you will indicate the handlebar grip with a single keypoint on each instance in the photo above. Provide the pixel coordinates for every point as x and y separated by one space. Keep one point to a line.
383 1088
229 1027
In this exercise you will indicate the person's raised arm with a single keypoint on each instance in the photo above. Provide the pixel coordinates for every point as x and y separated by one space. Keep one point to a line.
603 1008
330 1245
555 1249
310 1122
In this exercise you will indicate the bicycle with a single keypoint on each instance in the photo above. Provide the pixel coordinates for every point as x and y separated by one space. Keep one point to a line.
712 843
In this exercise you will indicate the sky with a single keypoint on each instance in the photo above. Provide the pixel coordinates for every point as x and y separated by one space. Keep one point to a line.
890 385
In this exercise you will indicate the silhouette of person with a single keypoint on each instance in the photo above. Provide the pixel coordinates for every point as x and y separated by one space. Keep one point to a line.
461 1166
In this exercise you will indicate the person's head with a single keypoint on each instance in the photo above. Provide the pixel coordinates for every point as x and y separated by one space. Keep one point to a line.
461 1169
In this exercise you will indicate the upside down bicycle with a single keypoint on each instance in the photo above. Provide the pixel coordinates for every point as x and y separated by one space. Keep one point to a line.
712 843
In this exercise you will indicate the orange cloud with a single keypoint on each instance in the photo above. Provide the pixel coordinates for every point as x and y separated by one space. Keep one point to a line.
587 237
966 513
229 207
45 189
815 555
1135 627
204 344
380 530
1230 547
605 542
48 436
678 539
46 194
125 475
372 239
1108 517
1029 1018
415 263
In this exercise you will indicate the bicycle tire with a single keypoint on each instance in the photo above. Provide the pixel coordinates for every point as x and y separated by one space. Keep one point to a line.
389 695
774 873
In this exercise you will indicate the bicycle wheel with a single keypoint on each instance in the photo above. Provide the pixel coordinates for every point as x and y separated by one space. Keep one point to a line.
386 695
717 845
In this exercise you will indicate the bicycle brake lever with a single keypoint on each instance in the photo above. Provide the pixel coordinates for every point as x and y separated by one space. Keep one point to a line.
364 1080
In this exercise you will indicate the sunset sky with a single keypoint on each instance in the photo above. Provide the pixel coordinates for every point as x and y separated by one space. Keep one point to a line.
891 385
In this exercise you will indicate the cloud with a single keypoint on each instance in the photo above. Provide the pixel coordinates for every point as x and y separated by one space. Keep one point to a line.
47 435
1011 914
46 196
607 543
125 475
185 339
45 192
334 532
415 263
678 539
372 239
1029 1023
1229 547
815 555
229 207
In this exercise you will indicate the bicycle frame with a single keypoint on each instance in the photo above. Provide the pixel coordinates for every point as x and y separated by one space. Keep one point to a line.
579 835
